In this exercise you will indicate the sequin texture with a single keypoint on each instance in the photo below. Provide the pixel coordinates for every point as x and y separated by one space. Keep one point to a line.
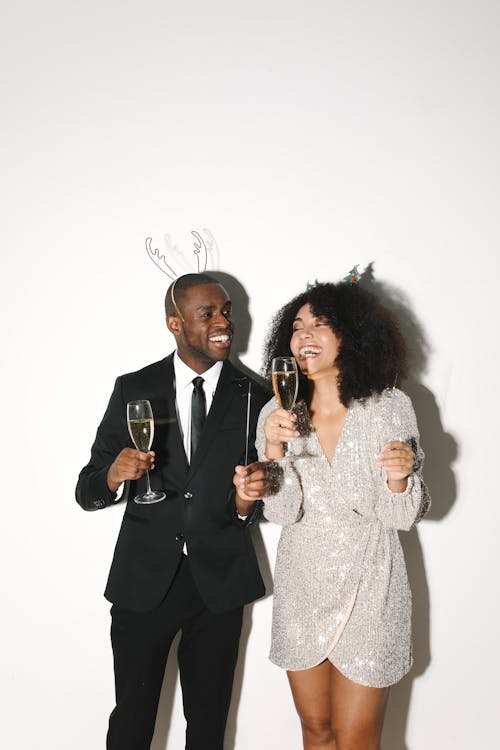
341 590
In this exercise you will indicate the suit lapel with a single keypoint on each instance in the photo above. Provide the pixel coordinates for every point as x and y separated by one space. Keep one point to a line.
168 427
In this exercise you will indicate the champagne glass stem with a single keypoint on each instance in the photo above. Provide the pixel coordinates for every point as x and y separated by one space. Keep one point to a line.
286 446
148 491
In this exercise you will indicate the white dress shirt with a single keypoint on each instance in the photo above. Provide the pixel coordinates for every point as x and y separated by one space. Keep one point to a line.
184 390
184 376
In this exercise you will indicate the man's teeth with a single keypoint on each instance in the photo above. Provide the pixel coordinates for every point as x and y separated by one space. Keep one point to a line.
222 338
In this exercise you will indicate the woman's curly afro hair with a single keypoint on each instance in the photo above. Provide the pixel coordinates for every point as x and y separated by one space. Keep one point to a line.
372 354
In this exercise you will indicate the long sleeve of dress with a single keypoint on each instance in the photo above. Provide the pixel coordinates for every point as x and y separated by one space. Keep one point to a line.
393 418
284 505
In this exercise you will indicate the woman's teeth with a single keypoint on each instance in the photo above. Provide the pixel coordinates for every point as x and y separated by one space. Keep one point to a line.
309 351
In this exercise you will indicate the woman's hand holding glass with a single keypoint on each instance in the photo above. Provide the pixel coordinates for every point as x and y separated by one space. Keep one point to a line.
279 428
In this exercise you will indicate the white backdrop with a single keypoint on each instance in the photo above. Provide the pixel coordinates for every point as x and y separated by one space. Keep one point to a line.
306 137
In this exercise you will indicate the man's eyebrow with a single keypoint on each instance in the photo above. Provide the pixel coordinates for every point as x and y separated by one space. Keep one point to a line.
201 308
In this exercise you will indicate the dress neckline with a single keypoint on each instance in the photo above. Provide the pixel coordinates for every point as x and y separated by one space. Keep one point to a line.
341 439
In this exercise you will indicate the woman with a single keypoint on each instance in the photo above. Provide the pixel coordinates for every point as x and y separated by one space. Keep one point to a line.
342 604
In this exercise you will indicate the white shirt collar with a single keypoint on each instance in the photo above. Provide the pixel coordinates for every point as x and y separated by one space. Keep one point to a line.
184 375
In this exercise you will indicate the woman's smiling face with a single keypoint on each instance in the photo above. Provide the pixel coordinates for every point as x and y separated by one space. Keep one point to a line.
313 344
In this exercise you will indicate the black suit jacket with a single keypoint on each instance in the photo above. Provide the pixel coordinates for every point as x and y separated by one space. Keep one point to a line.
199 508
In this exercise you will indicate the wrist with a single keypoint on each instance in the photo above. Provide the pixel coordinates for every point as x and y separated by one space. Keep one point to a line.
397 485
274 450
243 507
112 484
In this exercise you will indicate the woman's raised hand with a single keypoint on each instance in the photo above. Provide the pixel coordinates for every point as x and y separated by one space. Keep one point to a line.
279 428
396 459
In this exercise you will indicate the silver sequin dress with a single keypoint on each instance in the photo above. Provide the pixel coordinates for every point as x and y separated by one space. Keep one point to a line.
340 588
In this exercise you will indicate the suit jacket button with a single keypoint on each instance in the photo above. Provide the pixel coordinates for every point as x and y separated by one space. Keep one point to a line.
179 537
188 495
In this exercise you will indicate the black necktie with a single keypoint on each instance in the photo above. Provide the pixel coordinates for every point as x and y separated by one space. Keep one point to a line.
198 413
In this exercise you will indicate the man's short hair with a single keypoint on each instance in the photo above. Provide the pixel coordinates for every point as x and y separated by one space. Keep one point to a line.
177 288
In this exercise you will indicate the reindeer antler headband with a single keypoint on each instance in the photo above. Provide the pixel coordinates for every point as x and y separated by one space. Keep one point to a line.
174 263
181 316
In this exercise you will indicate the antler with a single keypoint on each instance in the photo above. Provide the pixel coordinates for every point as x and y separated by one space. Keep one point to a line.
198 246
159 260
205 251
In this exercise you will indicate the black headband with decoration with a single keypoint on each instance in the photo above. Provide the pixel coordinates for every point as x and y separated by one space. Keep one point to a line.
353 278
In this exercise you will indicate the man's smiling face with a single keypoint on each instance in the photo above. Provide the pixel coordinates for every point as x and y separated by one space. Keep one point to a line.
204 328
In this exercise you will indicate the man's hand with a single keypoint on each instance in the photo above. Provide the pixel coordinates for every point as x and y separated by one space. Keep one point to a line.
129 464
251 483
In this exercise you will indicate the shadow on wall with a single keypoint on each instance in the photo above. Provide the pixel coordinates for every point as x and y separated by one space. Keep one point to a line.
230 739
241 317
441 450
239 346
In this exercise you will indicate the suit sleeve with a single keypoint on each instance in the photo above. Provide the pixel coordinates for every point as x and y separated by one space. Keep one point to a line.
92 492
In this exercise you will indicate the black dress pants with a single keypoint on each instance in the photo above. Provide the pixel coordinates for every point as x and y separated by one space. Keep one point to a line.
207 656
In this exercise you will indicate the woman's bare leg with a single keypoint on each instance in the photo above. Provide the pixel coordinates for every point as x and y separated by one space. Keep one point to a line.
311 694
336 713
357 713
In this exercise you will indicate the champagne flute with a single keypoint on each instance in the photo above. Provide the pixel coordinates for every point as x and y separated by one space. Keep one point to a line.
141 427
285 385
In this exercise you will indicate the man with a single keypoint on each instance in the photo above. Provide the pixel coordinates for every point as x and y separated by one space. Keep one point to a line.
186 563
